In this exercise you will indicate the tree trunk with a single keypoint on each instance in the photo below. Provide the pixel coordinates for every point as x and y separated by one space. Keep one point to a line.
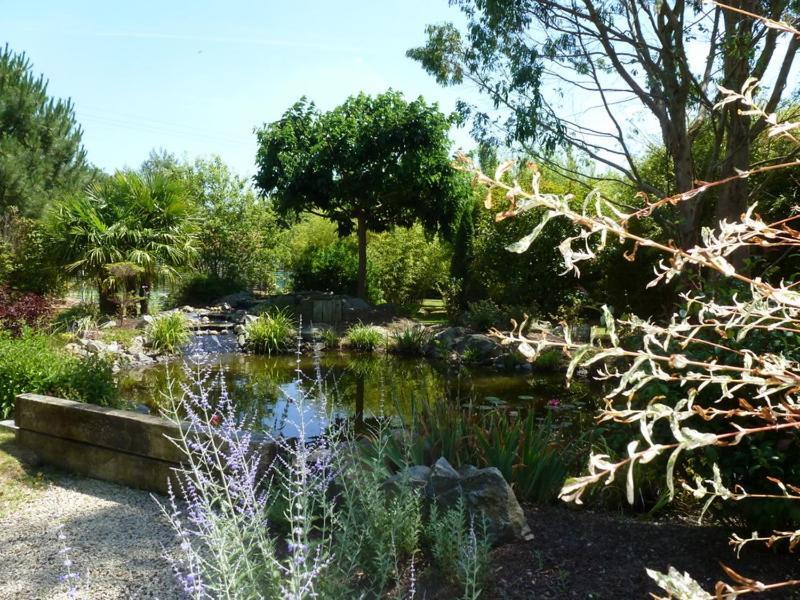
105 300
689 210
732 197
361 286
144 291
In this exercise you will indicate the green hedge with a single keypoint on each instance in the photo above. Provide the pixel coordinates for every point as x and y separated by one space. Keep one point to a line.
36 363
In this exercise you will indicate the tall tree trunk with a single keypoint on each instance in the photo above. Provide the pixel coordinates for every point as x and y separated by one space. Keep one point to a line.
105 300
361 286
689 210
144 291
732 197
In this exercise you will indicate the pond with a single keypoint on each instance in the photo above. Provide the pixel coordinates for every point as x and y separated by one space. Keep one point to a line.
356 386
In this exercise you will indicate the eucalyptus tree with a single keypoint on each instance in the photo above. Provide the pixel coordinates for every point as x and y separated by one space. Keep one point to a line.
672 58
369 164
144 220
41 156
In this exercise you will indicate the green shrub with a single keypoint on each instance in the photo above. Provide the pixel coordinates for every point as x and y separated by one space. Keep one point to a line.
411 340
331 268
485 314
201 290
330 338
168 332
364 338
273 331
407 266
35 363
450 290
550 360
78 319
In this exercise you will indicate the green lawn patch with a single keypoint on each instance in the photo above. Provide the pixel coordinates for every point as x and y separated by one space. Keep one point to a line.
18 481
431 312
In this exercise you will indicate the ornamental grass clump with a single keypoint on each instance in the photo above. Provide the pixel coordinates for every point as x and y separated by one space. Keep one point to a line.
364 338
168 332
410 341
271 333
711 381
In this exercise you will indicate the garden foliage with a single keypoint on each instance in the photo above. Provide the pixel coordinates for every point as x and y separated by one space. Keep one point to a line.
306 518
720 387
272 332
36 363
168 332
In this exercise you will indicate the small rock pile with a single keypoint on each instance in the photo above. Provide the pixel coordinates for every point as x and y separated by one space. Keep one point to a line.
135 354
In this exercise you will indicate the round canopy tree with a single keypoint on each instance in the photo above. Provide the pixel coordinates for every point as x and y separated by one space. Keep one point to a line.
370 164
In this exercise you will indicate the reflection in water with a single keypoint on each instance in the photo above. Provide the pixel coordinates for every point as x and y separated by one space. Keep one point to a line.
353 386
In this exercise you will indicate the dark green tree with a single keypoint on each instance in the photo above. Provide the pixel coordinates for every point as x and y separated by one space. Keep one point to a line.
369 164
41 156
463 255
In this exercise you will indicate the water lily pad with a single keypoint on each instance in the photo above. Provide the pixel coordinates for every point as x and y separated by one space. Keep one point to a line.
494 400
526 398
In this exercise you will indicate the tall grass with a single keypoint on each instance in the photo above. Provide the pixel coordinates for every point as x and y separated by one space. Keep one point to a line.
271 333
168 332
410 341
78 319
364 338
526 450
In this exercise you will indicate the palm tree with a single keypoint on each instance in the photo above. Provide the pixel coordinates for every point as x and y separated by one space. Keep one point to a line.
143 219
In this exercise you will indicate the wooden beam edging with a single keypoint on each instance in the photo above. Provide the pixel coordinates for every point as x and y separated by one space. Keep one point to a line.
120 446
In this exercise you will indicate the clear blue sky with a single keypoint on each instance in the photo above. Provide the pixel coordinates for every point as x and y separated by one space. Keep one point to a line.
196 77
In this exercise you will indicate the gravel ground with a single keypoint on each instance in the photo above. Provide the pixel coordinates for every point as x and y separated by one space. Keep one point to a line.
118 534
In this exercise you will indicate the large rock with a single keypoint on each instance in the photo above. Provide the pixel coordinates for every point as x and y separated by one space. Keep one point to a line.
482 348
350 303
136 345
96 346
416 476
447 338
484 493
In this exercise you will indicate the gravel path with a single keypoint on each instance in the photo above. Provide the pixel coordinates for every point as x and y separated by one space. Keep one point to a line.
118 534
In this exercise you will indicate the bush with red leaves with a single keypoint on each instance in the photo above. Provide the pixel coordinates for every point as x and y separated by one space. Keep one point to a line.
20 309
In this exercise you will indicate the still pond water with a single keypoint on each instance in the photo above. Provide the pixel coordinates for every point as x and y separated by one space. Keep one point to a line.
356 386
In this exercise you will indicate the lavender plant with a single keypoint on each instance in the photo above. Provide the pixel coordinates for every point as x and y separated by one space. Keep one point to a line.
220 497
460 549
379 525
75 588
343 533
739 391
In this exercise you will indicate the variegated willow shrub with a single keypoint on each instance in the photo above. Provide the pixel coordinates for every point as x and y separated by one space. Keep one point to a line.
727 362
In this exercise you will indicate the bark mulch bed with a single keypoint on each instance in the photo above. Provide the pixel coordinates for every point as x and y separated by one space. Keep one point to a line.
584 554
